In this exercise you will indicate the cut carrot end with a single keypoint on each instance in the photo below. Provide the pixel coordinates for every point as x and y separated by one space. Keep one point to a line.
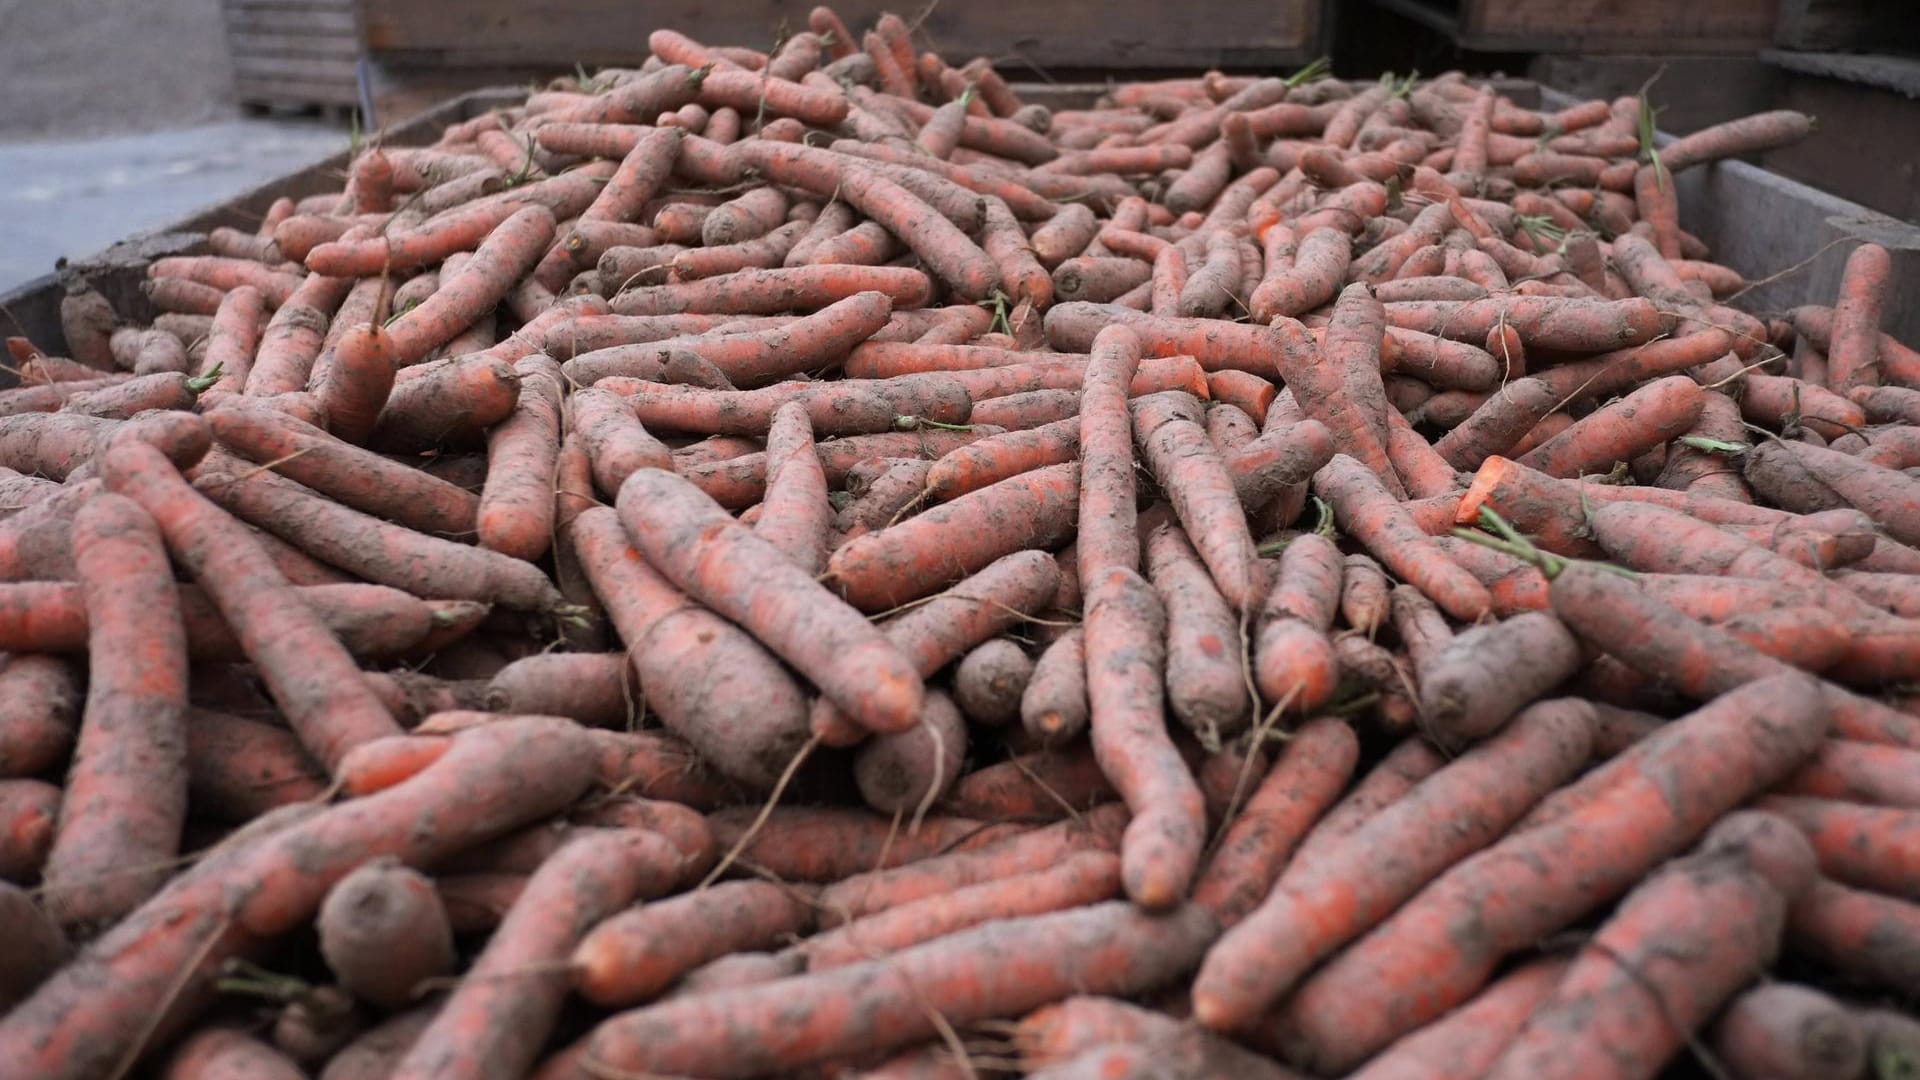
1480 492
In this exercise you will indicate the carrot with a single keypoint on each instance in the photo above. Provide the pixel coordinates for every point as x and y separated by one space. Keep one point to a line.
1196 480
223 1052
1365 511
989 680
1487 674
1791 1031
1737 138
126 792
938 631
858 668
1363 594
1862 934
1898 362
1256 847
1620 1010
28 813
146 352
238 769
1161 850
995 458
447 401
1081 947
830 843
797 517
470 794
1054 706
1206 686
1868 847
1648 417
361 479
39 713
1858 772
87 322
1406 973
638 953
583 883
234 337
1065 235
38 946
917 556
372 549
1319 265
897 773
226 274
383 932
1079 879
1889 497
738 482
1363 878
1466 1041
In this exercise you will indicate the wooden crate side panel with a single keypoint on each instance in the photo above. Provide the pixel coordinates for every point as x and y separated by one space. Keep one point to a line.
1119 34
1617 25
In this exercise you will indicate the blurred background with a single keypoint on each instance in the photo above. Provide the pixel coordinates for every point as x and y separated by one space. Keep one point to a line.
124 115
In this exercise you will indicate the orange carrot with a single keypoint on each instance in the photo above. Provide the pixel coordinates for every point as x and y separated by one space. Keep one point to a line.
1363 878
310 676
1865 935
1256 847
860 669
1867 847
39 713
1406 972
637 953
1206 685
584 882
1620 1011
1367 512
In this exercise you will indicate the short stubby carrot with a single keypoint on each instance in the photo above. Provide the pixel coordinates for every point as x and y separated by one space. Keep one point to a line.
126 793
919 555
1487 674
781 604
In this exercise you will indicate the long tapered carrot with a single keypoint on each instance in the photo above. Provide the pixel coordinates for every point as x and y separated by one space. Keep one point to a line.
799 619
1206 684
1083 949
1623 1008
1278 815
125 799
1364 877
375 550
581 884
1191 471
1408 971
1366 511
314 681
920 554
359 478
1646 418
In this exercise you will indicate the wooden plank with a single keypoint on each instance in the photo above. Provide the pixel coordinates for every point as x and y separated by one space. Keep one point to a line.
288 5
294 93
1844 25
320 70
1657 26
1120 34
285 21
293 46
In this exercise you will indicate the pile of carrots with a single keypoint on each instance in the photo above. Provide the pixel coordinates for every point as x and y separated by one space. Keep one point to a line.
805 564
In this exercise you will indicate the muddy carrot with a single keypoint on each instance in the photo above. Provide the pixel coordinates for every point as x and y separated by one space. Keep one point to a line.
1406 973
125 799
1366 511
1206 684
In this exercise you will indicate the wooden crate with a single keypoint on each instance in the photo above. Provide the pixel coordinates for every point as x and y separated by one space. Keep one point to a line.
1847 26
1597 26
294 53
1120 35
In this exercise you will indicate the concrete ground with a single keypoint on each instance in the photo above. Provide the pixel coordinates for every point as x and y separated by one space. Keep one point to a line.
116 116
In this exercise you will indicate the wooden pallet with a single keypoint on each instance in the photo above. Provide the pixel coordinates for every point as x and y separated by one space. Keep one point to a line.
294 53
1597 26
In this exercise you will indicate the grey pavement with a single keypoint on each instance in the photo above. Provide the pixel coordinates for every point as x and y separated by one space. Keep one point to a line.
74 198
